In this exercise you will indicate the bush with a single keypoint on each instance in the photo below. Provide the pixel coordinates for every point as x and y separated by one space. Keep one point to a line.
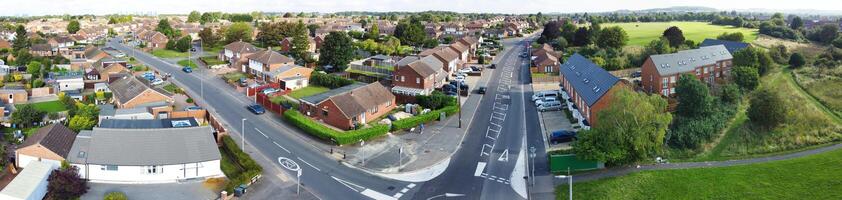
115 196
691 132
250 167
326 133
189 100
414 121
329 81
767 108
437 100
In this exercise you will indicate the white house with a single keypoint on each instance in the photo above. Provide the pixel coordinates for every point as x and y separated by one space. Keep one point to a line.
146 155
30 184
70 82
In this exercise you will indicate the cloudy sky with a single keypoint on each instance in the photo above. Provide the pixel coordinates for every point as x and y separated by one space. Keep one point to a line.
42 7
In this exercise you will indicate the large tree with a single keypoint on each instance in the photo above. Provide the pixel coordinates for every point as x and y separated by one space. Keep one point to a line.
373 32
194 16
73 26
735 36
65 183
165 28
674 35
796 23
272 34
582 37
411 32
694 99
612 37
753 57
625 135
184 43
796 60
337 51
746 77
239 31
208 37
26 115
767 108
552 30
300 42
826 33
21 39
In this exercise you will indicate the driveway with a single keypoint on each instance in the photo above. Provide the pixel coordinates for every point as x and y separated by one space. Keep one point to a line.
172 191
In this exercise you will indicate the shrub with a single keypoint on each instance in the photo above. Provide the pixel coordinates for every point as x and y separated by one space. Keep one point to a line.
423 118
437 100
189 100
321 131
691 132
115 196
329 81
767 109
250 167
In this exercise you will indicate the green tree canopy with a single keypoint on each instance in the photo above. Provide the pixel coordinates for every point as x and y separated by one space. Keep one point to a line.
674 35
239 31
411 32
337 51
753 57
612 37
26 115
194 16
21 39
34 68
73 26
694 99
796 60
735 36
184 43
208 37
746 77
767 108
796 23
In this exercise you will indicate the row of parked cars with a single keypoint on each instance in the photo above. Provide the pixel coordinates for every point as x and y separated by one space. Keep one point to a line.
547 100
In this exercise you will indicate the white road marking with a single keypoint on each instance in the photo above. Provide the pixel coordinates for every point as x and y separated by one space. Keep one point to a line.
311 165
411 185
376 195
482 152
353 186
495 126
404 190
504 157
398 195
279 146
489 136
480 167
261 132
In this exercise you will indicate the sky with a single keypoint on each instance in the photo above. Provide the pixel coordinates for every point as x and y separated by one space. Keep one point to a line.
100 7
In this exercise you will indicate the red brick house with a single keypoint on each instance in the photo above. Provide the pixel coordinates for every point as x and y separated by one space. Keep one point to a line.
236 54
660 73
265 61
349 106
157 41
545 63
42 50
131 92
319 40
420 76
588 86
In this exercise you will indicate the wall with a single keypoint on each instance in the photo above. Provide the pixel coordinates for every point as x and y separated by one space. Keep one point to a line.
147 96
33 153
137 174
40 92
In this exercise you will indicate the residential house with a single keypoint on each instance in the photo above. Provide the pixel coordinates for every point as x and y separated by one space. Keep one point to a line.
732 46
70 82
472 43
419 77
93 54
349 106
449 58
61 45
236 53
149 123
461 50
108 67
264 61
545 63
588 86
286 44
130 91
43 50
156 155
319 40
30 184
50 144
5 44
660 73
291 77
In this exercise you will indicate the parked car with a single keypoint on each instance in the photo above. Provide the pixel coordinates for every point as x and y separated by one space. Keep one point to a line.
544 94
562 136
243 82
492 66
192 108
552 105
256 109
448 88
481 90
268 91
635 74
475 68
187 69
466 70
545 100
460 79
157 82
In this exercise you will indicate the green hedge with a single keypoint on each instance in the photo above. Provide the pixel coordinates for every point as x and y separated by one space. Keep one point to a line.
250 167
326 133
328 80
414 121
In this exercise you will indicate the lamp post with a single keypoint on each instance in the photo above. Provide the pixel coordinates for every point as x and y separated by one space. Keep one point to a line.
532 155
569 183
459 100
244 134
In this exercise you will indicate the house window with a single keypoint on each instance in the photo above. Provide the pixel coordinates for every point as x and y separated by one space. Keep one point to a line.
109 168
672 90
698 71
154 169
417 80
324 112
706 70
402 79
672 79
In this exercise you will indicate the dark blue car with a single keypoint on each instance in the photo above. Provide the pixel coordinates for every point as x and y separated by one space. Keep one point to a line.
256 109
187 69
562 136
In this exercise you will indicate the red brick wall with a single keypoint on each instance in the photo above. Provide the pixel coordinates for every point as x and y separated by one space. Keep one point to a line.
409 77
335 117
603 103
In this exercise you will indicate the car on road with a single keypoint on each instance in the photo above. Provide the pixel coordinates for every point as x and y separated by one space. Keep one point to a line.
560 136
187 69
256 109
481 90
547 106
268 91
545 100
492 66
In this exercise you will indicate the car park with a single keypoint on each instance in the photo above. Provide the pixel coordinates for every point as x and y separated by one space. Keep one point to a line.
545 100
560 136
256 109
547 106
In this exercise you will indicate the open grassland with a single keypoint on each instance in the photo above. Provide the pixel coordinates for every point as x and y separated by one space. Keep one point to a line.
641 33
811 177
823 84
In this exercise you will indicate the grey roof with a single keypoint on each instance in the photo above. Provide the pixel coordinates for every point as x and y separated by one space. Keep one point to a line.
28 183
78 153
688 60
130 111
318 98
147 123
270 57
282 69
590 81
730 45
129 87
381 57
406 60
142 147
106 110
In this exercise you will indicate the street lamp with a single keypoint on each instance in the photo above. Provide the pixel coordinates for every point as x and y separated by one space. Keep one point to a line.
244 134
569 184
532 155
446 195
459 100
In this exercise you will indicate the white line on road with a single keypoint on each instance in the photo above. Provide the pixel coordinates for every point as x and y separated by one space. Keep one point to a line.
480 167
411 185
279 146
261 132
376 195
305 162
349 184
504 157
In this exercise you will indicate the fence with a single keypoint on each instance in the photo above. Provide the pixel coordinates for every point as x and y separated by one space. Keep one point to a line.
546 79
253 90
561 163
265 101
370 69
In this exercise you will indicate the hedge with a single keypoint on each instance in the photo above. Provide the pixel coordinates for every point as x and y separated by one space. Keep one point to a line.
414 121
326 133
250 167
328 81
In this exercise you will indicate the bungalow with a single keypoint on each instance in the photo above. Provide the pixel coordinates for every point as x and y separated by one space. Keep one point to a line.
42 50
130 92
236 53
108 67
291 77
70 82
589 87
264 61
158 155
419 77
730 45
50 144
660 73
349 106
545 63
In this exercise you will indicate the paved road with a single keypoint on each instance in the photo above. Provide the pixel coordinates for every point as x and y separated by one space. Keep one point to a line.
324 176
485 165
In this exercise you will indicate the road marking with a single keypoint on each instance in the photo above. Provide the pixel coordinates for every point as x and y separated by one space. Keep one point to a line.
482 151
487 132
353 186
376 195
411 185
480 167
279 146
497 126
398 195
504 157
404 190
261 132
305 162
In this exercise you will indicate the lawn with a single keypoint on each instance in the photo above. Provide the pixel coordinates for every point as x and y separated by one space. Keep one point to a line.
307 91
643 32
811 177
165 53
233 76
47 106
211 61
188 63
172 88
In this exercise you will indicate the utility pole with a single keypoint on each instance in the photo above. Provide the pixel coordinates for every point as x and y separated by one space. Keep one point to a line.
459 100
532 155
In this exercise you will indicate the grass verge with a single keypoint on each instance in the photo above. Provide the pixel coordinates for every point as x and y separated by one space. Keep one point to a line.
47 106
307 91
166 53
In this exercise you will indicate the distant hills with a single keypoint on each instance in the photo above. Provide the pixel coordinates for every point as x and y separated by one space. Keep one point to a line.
682 9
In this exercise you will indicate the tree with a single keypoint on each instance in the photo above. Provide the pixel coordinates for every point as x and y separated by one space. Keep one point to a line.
66 184
779 53
165 28
837 42
735 36
373 32
582 37
552 30
753 57
826 33
239 31
612 37
660 46
312 28
560 43
694 99
300 44
674 35
26 115
796 23
184 43
73 26
273 33
337 50
207 18
411 32
34 68
730 93
80 122
746 77
767 109
208 37
796 60
624 135
21 39
194 16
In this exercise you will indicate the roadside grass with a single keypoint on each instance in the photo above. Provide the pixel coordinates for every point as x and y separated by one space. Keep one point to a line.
811 177
172 88
641 33
233 76
307 91
211 61
165 53
188 63
213 49
47 106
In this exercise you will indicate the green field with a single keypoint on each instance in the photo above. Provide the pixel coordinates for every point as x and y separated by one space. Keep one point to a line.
47 106
165 53
643 32
823 84
811 177
307 91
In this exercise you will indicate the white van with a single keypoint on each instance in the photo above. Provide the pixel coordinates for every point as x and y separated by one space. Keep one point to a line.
552 105
544 95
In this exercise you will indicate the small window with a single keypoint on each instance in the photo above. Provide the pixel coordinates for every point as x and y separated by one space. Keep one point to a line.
109 168
417 80
672 79
324 112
